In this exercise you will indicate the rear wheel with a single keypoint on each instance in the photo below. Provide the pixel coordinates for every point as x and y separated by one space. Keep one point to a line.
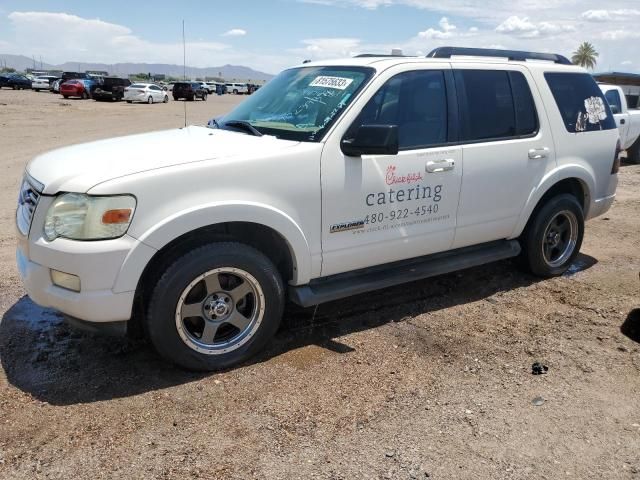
65 96
215 307
235 92
553 237
129 101
204 97
166 99
175 99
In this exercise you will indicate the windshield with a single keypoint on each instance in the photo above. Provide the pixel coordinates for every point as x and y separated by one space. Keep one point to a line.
302 103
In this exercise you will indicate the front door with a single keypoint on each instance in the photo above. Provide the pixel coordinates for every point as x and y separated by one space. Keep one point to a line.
378 209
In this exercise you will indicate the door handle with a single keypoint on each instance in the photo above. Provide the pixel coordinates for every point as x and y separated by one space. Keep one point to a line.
622 121
538 153
443 165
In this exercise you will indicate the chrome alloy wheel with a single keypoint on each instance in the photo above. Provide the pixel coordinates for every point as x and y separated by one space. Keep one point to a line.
560 238
220 311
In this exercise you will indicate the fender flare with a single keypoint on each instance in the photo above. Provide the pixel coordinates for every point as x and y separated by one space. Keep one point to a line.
185 221
579 171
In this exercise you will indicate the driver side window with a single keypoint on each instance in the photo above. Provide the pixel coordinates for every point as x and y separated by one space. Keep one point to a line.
414 101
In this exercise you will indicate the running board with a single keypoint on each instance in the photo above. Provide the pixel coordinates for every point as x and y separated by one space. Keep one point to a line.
383 276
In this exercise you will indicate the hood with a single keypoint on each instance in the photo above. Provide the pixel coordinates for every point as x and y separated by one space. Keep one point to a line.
80 167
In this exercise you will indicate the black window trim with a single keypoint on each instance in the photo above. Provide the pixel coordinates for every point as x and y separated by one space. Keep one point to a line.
463 101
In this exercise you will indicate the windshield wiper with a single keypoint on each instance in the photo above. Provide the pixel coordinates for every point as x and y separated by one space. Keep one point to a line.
213 123
243 125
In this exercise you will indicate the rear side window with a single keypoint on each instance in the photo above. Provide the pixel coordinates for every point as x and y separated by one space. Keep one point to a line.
580 101
495 105
613 98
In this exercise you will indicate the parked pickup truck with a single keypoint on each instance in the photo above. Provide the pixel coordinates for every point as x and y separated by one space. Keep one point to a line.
627 119
334 179
111 89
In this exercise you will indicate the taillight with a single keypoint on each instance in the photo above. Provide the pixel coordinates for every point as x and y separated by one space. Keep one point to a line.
616 158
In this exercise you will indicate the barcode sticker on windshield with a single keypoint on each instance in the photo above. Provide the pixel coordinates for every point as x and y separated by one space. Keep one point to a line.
338 83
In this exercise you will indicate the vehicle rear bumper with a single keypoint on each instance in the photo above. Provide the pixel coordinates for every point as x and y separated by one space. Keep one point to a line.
601 206
105 95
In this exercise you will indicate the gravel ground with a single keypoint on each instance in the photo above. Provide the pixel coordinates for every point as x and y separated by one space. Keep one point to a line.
428 380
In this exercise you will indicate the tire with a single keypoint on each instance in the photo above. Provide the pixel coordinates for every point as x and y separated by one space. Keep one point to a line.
175 99
191 98
179 339
150 100
235 92
129 101
165 99
553 237
633 152
204 97
65 96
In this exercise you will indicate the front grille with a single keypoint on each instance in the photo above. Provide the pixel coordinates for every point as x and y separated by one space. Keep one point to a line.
27 203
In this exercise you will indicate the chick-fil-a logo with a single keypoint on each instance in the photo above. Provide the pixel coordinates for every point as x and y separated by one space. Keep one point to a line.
409 178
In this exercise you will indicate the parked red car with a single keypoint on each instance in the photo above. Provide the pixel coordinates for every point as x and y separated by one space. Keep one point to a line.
76 88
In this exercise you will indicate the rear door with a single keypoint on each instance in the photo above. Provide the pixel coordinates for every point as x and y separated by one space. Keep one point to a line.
507 148
378 209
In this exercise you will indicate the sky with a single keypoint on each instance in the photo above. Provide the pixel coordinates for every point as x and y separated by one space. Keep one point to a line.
272 35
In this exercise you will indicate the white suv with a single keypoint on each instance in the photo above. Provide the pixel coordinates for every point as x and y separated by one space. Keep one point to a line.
237 88
336 178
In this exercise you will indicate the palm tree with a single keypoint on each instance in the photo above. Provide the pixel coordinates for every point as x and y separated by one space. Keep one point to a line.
585 56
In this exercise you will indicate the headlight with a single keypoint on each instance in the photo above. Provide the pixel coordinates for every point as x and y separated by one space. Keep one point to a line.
84 217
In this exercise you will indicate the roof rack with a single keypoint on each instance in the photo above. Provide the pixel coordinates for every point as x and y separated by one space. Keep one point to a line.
512 55
373 55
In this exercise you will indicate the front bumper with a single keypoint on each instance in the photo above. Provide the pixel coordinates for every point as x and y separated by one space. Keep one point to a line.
96 302
108 270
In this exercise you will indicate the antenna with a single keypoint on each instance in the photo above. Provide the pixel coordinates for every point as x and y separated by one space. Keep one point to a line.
184 69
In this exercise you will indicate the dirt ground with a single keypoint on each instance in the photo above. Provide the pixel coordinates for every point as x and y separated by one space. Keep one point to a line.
427 380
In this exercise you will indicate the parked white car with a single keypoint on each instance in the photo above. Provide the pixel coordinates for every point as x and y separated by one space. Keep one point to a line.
335 178
627 119
145 92
237 88
43 82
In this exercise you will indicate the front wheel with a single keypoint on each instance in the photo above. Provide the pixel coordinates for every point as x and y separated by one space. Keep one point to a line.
215 307
129 101
204 97
150 99
553 238
166 99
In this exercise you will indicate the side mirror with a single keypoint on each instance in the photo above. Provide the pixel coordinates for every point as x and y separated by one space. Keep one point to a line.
372 140
614 109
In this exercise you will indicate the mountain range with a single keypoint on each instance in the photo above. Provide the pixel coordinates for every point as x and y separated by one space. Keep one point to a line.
228 72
